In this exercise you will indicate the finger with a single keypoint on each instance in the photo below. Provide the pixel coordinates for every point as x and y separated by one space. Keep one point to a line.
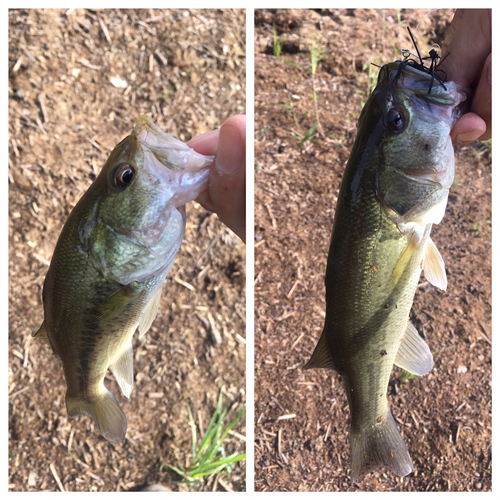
225 194
481 105
469 28
232 145
205 144
468 129
227 180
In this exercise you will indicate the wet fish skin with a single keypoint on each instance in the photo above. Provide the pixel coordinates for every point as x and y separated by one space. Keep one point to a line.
394 188
110 262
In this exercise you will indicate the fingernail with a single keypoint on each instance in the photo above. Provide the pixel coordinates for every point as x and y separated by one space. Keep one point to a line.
202 137
230 151
470 136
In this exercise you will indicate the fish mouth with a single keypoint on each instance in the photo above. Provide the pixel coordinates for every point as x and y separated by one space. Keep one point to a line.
429 175
424 86
169 151
152 136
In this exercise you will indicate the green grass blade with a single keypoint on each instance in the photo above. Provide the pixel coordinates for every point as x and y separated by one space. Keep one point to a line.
309 135
233 423
209 456
226 461
277 44
211 427
192 424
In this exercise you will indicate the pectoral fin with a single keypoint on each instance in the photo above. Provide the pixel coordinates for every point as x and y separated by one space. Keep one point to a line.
434 266
414 354
123 370
149 313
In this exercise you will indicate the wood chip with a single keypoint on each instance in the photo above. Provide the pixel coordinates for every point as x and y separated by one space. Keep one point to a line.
155 395
41 259
286 417
16 67
297 341
237 435
273 220
183 283
41 101
285 315
87 64
14 394
104 30
225 485
161 57
214 331
56 477
294 286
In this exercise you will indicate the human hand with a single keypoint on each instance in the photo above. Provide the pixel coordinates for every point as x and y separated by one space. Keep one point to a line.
468 43
225 194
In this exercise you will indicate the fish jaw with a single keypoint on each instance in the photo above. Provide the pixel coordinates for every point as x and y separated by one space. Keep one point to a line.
180 167
174 154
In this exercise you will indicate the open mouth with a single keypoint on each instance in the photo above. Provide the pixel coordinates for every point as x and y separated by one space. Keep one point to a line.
169 151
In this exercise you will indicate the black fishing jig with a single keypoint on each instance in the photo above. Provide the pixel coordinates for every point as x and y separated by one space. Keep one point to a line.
419 64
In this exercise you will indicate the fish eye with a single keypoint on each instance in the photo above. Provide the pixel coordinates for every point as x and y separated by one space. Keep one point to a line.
124 175
395 120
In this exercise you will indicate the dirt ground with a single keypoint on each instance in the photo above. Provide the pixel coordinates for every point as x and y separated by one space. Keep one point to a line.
78 82
302 417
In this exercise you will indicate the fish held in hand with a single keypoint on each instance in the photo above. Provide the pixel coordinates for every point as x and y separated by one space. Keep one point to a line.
395 187
109 265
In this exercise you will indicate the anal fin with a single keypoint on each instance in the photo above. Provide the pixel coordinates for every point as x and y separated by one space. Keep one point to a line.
414 354
123 370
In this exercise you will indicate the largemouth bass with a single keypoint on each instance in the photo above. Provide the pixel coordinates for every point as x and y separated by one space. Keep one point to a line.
395 187
109 265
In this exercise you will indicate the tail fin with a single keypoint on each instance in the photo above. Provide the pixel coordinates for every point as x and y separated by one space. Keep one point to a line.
377 446
106 413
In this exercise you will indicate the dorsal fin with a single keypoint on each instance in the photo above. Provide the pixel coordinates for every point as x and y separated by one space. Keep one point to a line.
41 333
